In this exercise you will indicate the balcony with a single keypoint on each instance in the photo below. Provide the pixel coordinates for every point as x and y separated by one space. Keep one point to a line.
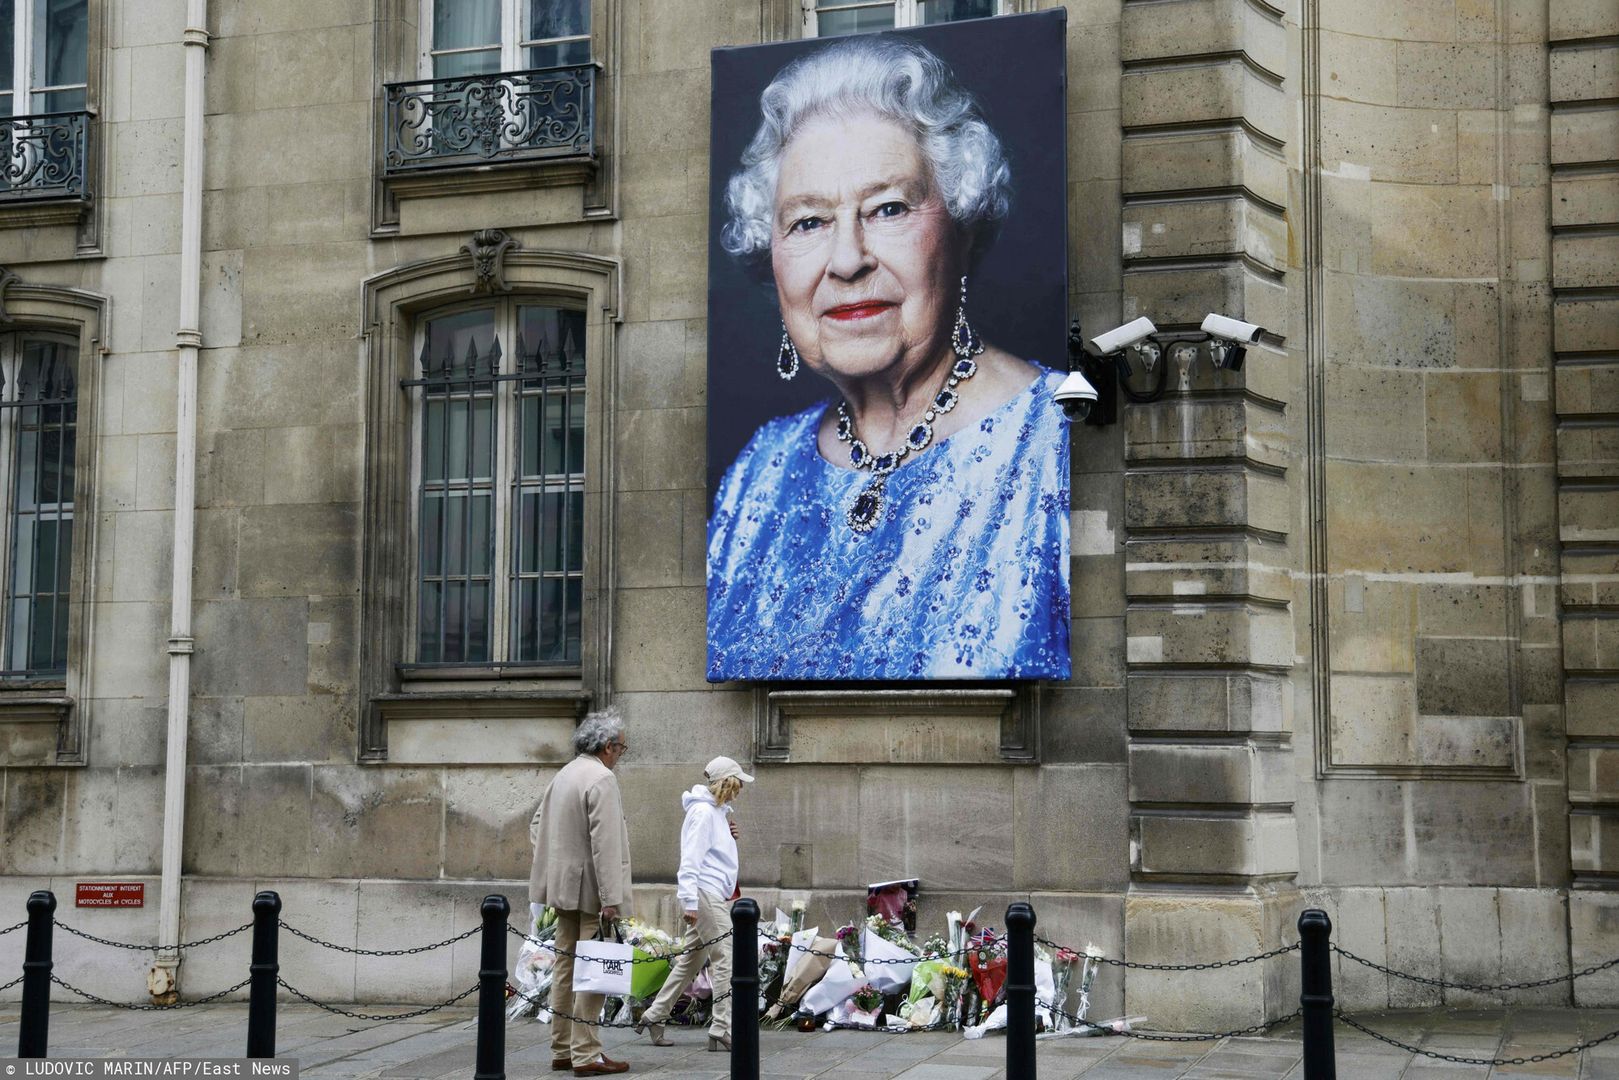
482 122
45 158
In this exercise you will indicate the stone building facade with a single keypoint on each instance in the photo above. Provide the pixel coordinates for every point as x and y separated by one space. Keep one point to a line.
1344 622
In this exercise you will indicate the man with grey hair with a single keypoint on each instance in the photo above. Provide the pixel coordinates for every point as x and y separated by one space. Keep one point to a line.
582 869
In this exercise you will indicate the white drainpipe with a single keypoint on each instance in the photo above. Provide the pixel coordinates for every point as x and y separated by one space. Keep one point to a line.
163 980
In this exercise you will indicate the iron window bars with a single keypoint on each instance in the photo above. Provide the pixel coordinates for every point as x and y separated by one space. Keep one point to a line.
45 156
509 116
466 398
38 430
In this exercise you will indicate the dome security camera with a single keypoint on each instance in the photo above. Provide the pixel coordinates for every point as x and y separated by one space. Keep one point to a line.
1075 396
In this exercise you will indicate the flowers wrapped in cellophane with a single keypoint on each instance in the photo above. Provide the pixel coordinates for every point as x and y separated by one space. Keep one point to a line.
531 975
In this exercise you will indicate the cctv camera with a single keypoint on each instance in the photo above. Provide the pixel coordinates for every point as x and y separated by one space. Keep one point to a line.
1076 395
1223 326
1131 333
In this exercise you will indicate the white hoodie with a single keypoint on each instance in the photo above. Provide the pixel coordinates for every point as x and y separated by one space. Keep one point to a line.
707 849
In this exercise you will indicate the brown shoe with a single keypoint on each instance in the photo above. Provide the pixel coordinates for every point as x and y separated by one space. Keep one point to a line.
602 1066
561 1064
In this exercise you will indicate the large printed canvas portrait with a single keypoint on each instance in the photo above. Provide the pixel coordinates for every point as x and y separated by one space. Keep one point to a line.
888 470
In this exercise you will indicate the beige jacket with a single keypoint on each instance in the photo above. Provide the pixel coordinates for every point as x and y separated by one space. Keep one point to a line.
581 843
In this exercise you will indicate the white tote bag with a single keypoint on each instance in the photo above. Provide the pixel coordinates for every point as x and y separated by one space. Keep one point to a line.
603 967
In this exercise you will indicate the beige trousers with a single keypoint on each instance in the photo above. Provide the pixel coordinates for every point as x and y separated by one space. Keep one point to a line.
713 919
579 1042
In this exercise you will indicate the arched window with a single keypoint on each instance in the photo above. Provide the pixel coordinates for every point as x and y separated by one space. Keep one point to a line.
498 473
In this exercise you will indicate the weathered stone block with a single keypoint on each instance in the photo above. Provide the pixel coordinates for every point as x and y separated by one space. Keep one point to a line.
1583 135
1083 726
276 819
946 826
1217 159
661 639
1463 677
1204 496
272 630
1593 919
803 814
1181 844
376 823
1198 27
1215 702
1585 261
1585 72
1183 94
1172 927
1069 827
1373 623
1534 943
1243 773
1363 142
1198 632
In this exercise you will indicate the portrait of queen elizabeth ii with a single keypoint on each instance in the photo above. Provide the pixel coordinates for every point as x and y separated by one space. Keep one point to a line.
912 521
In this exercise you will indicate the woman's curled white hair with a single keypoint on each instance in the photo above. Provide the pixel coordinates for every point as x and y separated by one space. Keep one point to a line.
892 77
597 731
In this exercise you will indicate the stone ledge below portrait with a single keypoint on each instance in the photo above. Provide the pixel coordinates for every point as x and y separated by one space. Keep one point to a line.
480 729
932 726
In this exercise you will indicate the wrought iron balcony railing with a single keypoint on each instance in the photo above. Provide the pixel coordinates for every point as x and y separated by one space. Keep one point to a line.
45 156
508 116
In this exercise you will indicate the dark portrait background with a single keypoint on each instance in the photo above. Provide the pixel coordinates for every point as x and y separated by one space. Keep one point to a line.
1017 294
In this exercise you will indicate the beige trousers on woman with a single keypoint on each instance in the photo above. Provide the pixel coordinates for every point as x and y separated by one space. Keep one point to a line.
713 919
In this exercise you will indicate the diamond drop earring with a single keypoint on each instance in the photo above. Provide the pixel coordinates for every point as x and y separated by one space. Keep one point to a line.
786 356
964 341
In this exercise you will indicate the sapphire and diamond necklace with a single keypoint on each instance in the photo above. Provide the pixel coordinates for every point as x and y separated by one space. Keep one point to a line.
867 508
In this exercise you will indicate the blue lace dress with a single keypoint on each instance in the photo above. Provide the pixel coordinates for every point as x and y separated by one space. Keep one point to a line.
965 575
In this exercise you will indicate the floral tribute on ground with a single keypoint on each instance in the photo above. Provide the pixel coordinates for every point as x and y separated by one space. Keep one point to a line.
871 974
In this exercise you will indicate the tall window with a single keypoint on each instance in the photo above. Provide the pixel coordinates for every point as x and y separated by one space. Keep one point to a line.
44 56
499 477
860 16
38 427
479 37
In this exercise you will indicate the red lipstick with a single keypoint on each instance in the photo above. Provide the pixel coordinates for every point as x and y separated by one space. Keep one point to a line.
864 310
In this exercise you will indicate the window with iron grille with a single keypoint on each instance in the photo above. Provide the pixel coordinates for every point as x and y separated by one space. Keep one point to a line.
831 17
499 481
38 438
44 122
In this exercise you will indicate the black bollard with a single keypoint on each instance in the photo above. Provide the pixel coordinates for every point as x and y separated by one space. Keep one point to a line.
1020 991
262 970
745 990
33 1040
1315 997
491 1063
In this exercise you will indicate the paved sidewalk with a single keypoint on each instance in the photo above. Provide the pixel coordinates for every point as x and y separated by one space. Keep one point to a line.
441 1045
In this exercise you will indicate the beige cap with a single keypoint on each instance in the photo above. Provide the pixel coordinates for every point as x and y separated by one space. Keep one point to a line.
721 767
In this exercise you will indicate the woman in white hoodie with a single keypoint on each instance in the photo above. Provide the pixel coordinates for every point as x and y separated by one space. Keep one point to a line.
705 885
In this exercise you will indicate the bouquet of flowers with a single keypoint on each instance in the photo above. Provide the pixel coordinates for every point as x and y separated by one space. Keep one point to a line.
936 986
986 960
532 973
889 953
651 946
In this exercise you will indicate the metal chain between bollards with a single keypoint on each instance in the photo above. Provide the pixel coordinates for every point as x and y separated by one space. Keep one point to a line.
1577 1048
353 951
13 926
132 1006
1479 988
374 1017
1213 965
132 946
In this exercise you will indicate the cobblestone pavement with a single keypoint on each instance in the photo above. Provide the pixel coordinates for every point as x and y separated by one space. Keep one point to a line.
441 1045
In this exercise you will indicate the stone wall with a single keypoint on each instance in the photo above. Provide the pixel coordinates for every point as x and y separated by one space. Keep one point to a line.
1341 619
